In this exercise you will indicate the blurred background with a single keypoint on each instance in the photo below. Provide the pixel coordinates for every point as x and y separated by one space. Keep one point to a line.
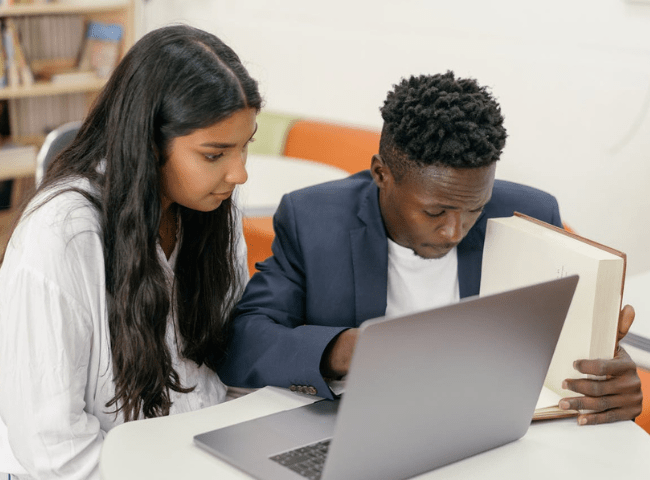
573 80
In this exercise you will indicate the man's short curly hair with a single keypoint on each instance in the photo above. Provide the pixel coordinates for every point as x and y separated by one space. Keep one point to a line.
440 120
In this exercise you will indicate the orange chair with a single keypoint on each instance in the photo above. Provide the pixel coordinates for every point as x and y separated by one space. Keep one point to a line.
272 130
643 420
258 233
345 147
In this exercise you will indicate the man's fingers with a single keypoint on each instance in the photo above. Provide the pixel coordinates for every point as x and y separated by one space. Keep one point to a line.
597 388
611 403
608 416
625 320
617 397
619 365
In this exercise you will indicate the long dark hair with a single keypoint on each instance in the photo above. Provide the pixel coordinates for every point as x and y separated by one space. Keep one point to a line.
171 82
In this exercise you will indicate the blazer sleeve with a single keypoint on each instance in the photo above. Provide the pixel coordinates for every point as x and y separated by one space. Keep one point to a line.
555 215
270 342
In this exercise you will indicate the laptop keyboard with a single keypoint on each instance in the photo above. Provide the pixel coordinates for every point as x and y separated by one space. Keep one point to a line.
307 461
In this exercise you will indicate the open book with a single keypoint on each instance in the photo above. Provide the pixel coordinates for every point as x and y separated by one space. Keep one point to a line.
520 251
547 406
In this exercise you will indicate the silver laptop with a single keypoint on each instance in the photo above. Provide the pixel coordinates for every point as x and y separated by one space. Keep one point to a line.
424 390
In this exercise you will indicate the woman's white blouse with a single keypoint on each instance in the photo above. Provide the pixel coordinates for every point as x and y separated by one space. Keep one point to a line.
56 371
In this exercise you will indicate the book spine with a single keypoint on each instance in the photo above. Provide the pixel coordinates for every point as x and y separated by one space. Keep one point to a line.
3 64
25 72
13 77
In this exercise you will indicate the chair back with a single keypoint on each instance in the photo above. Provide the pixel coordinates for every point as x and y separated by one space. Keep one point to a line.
643 420
57 140
259 235
272 129
345 147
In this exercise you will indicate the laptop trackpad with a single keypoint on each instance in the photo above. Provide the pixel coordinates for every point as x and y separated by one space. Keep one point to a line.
272 434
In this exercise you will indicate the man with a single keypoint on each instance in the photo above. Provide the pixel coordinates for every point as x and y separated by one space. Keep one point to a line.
406 235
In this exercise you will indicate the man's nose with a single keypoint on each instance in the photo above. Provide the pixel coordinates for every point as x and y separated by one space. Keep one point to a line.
452 228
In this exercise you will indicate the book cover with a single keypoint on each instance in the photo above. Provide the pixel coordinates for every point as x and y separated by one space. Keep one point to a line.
101 48
520 250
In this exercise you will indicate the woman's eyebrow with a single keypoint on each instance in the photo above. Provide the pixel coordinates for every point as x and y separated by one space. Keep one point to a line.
218 145
225 145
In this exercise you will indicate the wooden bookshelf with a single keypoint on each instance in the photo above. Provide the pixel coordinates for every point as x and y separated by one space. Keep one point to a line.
35 109
54 8
116 11
41 26
40 89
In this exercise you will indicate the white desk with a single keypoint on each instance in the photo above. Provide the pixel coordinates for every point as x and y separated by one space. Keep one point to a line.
271 176
163 448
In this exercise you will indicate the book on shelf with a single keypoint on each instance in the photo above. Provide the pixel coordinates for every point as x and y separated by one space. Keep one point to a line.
101 49
11 66
63 64
520 251
17 65
26 75
29 56
3 64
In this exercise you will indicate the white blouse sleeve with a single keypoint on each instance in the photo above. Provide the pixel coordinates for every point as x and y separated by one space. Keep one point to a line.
43 372
241 252
52 282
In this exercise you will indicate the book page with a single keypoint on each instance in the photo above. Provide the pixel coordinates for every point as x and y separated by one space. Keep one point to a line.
547 398
547 406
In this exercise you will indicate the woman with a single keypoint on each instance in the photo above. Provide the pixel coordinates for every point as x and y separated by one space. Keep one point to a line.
118 282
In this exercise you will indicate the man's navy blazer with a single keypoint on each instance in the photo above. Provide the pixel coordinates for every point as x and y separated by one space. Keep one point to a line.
328 273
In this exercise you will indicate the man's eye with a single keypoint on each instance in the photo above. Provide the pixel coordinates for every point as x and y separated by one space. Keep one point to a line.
435 215
213 157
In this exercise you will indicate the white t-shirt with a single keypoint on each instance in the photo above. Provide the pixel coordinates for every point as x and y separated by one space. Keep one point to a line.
416 283
55 358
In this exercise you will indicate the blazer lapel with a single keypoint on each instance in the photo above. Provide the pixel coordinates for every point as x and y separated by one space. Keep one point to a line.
470 257
369 259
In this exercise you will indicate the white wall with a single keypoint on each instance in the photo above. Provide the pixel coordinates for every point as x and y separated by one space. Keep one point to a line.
573 79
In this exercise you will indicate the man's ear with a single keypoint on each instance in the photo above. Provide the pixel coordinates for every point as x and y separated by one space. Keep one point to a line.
380 172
